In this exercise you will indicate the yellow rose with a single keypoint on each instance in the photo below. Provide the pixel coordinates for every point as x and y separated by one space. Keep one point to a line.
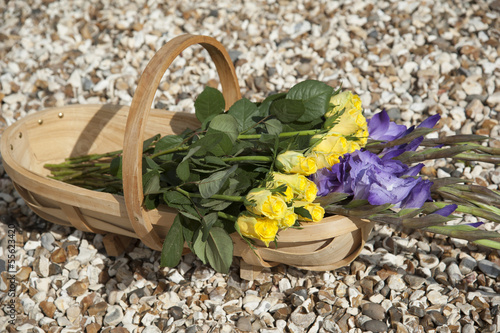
362 135
296 182
331 144
349 123
260 228
324 160
345 100
310 193
288 220
287 195
317 212
295 162
263 202
302 187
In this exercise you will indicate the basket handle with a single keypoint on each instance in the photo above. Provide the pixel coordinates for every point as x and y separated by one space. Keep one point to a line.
139 113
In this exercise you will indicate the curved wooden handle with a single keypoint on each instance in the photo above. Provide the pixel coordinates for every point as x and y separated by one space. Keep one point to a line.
139 113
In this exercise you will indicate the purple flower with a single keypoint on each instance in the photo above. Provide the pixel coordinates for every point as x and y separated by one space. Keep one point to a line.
430 122
369 177
382 128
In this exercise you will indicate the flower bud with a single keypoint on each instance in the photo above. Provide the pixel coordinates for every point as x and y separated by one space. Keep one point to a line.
345 100
295 162
317 212
263 202
332 144
260 228
288 220
324 160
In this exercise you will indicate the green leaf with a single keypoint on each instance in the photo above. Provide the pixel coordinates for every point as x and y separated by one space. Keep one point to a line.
189 227
175 198
274 126
199 246
302 212
245 113
316 97
147 143
173 245
287 110
219 251
149 164
208 221
227 124
266 104
216 205
151 182
151 201
168 142
215 160
208 104
211 185
182 169
215 142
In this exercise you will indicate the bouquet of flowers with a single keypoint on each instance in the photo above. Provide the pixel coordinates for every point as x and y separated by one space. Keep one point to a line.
259 168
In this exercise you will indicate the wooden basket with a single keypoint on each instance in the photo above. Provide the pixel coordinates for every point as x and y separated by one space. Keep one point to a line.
52 135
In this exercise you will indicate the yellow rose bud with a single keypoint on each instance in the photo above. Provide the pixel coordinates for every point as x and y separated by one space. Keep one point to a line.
332 144
295 162
345 100
310 193
297 182
349 123
288 220
263 229
302 187
324 160
263 202
287 195
317 212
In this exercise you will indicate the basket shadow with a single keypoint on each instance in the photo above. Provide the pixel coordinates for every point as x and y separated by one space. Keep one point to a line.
114 118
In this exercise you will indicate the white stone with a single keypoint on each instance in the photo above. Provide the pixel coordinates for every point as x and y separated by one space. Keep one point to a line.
148 319
472 87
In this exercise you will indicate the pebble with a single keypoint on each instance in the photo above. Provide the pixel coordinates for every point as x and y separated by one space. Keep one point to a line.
47 239
375 326
396 283
467 265
428 260
113 316
374 311
489 268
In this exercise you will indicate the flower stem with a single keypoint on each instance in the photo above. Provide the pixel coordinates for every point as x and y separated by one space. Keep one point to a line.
234 198
169 151
248 158
227 216
281 135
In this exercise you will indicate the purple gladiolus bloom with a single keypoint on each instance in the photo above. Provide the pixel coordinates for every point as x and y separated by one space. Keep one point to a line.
382 128
369 177
430 122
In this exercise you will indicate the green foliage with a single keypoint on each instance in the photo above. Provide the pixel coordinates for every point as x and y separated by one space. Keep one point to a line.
172 246
209 104
315 97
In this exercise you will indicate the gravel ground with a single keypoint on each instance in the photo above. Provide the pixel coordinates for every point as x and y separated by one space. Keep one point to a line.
412 58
